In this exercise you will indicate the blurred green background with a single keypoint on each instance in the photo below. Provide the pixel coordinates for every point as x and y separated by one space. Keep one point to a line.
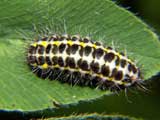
147 10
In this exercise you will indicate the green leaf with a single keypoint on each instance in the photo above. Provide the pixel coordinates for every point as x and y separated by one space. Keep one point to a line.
102 20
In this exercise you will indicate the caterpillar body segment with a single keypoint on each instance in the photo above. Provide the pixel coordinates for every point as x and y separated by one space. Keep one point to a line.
81 61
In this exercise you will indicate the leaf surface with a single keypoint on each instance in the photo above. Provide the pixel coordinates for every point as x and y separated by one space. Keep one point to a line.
101 20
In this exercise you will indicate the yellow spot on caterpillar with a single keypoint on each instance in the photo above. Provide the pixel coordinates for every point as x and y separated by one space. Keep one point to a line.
34 64
34 44
119 55
110 78
57 43
94 46
44 43
82 44
45 66
55 66
70 42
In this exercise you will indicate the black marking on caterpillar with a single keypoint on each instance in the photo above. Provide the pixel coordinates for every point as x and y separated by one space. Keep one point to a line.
81 61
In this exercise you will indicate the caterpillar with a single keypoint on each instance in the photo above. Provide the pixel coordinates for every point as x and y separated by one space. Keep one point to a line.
81 61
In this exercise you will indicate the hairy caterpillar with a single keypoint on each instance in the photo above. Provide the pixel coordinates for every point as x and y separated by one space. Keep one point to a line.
81 61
